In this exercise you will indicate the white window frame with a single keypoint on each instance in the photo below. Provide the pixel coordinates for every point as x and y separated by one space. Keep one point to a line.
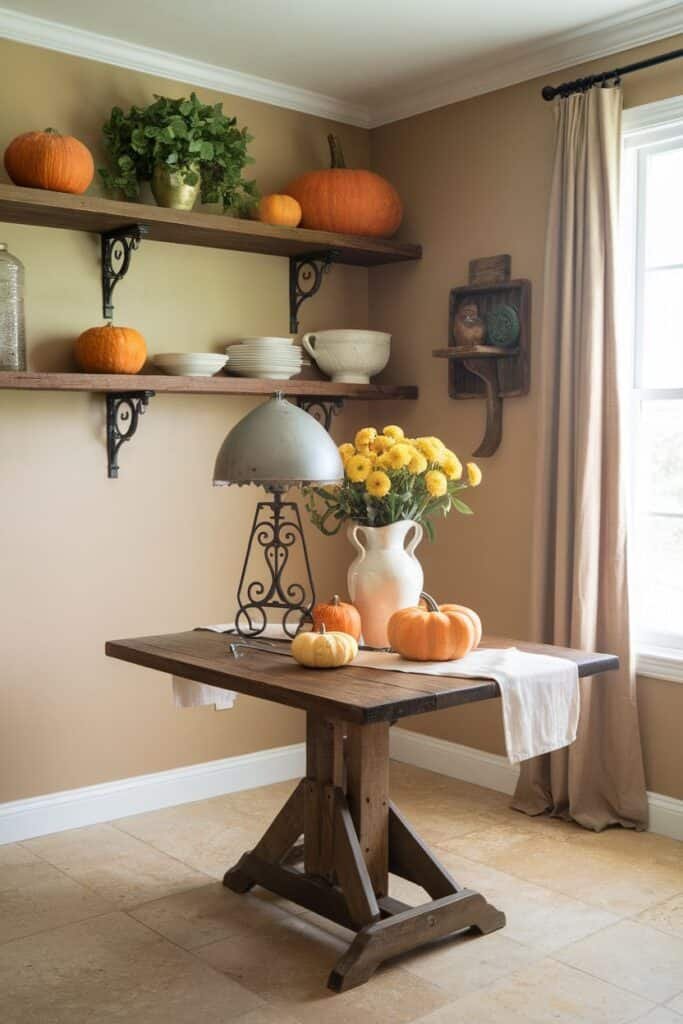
645 129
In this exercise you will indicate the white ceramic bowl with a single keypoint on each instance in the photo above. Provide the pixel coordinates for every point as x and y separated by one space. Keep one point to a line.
190 364
349 356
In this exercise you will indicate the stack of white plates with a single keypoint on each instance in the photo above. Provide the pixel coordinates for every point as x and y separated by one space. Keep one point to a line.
270 358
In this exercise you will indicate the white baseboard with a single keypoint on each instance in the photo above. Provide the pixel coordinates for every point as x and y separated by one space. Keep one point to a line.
72 808
496 772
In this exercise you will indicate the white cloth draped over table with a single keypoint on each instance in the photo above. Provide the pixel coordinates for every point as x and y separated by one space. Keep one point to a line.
188 694
539 693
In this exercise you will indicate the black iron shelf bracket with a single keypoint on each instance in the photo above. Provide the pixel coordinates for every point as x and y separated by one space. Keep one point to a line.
305 277
123 415
117 249
321 409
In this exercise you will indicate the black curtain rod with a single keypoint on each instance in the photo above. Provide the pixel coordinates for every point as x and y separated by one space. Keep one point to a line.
549 92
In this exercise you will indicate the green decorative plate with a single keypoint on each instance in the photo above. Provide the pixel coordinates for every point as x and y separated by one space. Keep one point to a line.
502 326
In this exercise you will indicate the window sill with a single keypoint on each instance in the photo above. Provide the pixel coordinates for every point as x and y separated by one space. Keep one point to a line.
660 663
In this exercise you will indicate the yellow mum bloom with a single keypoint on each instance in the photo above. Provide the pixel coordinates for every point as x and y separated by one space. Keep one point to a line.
365 437
394 432
436 483
473 474
399 456
451 465
383 460
417 463
346 451
430 450
382 443
378 484
357 468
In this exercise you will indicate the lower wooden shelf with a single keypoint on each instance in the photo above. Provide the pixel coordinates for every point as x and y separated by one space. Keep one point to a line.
127 395
105 383
475 352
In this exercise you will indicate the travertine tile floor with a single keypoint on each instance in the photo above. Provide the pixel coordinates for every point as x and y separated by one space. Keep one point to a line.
129 922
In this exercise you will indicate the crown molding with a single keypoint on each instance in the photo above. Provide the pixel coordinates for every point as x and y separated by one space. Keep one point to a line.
645 24
52 35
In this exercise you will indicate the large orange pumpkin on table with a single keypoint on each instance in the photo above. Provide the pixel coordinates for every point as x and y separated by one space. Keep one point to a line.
58 163
110 349
346 201
435 632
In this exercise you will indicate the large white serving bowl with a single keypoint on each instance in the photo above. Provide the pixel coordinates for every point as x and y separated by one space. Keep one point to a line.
349 356
190 364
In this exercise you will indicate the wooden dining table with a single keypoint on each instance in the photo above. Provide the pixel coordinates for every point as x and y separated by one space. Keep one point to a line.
338 837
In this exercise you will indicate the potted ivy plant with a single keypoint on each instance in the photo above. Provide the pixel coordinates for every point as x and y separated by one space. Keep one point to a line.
182 147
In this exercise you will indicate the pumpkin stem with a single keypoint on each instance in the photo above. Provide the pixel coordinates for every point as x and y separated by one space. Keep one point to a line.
322 628
51 131
336 152
335 600
430 602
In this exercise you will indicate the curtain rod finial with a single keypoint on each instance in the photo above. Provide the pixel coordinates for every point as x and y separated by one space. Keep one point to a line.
548 92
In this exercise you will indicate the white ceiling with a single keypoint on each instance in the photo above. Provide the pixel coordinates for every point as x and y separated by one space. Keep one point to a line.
374 57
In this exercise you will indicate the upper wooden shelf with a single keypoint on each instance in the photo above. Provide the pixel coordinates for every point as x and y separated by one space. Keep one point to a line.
475 352
105 383
92 213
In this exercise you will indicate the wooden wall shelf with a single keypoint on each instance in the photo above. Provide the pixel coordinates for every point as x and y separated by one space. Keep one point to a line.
127 395
478 351
104 383
101 216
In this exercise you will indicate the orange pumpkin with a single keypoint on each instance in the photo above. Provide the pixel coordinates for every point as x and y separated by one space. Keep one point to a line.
434 633
350 202
110 349
49 160
280 210
338 616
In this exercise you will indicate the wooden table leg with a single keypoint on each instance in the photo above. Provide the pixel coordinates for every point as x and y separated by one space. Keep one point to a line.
353 838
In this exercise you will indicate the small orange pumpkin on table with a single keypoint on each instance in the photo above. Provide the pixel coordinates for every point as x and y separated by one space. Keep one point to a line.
347 201
434 632
337 616
110 349
58 163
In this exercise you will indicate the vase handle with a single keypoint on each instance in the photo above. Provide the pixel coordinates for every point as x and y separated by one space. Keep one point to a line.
415 539
353 537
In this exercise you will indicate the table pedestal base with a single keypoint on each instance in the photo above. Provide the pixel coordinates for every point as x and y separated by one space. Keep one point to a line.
353 836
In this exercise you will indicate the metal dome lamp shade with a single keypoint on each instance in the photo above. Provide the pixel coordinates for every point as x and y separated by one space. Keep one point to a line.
276 446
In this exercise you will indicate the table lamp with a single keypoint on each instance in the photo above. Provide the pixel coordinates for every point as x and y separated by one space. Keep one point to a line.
276 446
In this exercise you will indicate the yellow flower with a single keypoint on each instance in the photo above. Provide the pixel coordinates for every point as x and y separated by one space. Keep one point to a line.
357 468
383 460
428 447
451 465
394 432
378 484
382 443
399 456
346 451
436 483
473 474
418 463
365 437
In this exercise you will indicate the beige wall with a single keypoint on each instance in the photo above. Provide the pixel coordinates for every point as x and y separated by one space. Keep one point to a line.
475 180
84 559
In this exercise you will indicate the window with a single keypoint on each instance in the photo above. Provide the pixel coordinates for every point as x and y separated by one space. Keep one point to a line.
652 304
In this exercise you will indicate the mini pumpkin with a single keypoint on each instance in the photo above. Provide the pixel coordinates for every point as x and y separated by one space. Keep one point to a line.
323 649
338 615
58 163
110 349
281 210
351 202
434 633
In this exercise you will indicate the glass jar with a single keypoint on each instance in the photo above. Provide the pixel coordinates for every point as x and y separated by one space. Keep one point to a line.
12 327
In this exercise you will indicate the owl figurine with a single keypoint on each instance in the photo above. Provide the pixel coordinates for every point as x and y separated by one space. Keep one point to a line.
468 327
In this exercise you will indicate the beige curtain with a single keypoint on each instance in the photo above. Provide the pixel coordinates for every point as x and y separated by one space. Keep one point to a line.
579 571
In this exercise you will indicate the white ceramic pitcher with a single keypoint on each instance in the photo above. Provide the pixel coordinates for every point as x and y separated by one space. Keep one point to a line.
385 574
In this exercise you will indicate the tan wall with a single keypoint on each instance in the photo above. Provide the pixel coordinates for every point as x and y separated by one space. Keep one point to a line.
83 558
475 179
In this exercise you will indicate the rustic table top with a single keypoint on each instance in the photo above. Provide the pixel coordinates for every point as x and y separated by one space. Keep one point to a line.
351 693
